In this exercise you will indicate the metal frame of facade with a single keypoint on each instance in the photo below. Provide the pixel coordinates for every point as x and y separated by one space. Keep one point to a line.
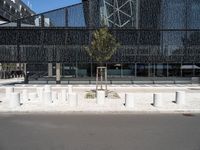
63 41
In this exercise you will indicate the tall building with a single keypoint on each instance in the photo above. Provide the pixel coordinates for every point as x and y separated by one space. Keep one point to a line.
13 9
160 39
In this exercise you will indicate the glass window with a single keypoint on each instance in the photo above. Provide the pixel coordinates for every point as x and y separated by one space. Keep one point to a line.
174 43
128 69
76 16
187 70
55 18
143 70
69 70
150 14
174 70
84 70
174 14
197 70
193 14
161 70
193 46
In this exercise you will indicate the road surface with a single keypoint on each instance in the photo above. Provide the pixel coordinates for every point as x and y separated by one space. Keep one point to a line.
100 132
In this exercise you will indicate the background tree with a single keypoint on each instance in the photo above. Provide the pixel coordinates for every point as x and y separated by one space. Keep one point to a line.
101 49
103 46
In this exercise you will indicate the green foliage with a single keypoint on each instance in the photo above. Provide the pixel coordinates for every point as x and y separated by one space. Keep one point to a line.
8 66
103 45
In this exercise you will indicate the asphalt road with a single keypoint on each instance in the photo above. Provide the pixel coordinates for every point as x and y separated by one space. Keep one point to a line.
99 132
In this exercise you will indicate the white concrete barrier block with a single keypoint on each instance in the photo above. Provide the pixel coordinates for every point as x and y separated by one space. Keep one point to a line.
54 97
129 100
24 96
180 97
47 88
40 93
70 90
32 96
47 97
73 99
64 95
14 100
101 97
9 90
157 99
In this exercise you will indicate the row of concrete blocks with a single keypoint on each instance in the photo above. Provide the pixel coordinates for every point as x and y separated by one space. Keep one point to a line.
157 99
45 94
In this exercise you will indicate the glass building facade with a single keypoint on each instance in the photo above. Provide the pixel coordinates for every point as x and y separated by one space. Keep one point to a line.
158 38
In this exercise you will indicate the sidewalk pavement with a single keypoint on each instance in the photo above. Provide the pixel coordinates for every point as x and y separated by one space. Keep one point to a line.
143 99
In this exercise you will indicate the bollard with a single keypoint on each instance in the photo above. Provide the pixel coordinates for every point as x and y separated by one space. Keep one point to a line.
9 90
64 95
129 100
14 100
157 99
40 92
100 97
69 88
47 88
54 96
47 97
32 96
73 99
180 97
24 97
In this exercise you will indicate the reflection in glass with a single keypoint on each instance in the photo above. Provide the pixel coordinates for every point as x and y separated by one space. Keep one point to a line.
75 16
174 14
55 18
193 14
174 70
174 43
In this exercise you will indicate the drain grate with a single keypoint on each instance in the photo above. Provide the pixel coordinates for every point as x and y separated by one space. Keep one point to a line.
197 89
188 115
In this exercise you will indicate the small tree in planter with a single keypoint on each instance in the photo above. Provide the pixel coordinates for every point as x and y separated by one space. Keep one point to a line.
101 49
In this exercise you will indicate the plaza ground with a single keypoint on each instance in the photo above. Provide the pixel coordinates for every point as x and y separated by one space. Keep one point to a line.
143 99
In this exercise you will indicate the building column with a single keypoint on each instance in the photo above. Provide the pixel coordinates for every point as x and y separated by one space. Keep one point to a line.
25 68
26 74
167 69
17 67
121 70
58 75
50 69
135 69
137 14
1 68
181 70
76 70
193 70
91 75
149 70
